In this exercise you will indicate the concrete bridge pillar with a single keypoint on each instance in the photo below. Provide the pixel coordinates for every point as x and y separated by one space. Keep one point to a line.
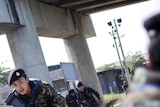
25 46
78 52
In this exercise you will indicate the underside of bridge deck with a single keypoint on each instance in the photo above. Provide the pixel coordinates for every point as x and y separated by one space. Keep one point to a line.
90 6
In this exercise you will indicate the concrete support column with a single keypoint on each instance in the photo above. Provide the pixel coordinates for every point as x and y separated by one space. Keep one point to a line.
78 53
25 46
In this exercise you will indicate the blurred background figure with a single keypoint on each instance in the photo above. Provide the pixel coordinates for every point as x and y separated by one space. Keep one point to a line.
125 87
145 90
72 99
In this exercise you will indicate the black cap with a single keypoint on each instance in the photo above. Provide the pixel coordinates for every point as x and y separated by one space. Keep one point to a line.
153 24
80 84
15 75
71 91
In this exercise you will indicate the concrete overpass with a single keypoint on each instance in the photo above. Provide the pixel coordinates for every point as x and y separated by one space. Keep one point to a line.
24 20
90 6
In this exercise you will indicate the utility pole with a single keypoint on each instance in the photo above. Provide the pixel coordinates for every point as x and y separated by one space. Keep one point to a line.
124 59
114 38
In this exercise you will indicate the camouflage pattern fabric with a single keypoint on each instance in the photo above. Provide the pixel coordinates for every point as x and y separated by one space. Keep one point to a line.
72 101
45 96
88 96
142 92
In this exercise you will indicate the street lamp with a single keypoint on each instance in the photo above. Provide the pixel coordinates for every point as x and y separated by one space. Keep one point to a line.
114 28
115 43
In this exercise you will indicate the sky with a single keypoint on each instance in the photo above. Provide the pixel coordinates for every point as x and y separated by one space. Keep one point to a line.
100 46
134 39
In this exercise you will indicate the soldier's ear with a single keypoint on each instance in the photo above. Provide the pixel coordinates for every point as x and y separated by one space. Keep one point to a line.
27 79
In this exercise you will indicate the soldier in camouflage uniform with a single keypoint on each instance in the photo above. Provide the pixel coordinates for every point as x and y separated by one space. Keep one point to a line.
145 90
72 99
33 93
86 97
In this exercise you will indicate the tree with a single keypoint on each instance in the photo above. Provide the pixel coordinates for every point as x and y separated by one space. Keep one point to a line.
107 67
135 61
3 75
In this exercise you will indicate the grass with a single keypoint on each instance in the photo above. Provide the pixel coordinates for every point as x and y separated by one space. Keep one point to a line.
109 97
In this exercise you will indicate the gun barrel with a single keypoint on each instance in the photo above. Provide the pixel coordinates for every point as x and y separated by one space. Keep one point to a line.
12 100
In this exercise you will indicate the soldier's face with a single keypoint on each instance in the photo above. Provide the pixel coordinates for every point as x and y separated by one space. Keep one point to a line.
72 94
81 88
22 86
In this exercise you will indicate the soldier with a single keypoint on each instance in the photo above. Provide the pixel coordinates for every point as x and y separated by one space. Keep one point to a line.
72 99
32 93
86 97
145 91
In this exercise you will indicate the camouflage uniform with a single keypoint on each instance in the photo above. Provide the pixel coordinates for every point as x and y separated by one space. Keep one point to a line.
143 93
44 96
87 95
72 101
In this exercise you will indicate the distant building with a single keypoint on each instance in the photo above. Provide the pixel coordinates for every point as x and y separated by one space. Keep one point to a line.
57 78
110 81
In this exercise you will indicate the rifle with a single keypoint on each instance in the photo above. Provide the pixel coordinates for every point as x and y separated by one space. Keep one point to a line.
13 100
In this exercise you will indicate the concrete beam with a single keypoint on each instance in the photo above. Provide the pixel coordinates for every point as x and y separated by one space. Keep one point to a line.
5 15
52 21
68 3
112 6
95 4
8 20
7 27
55 22
87 26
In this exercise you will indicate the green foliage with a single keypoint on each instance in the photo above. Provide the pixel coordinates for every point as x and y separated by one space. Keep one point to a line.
136 61
112 96
107 67
4 74
121 77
